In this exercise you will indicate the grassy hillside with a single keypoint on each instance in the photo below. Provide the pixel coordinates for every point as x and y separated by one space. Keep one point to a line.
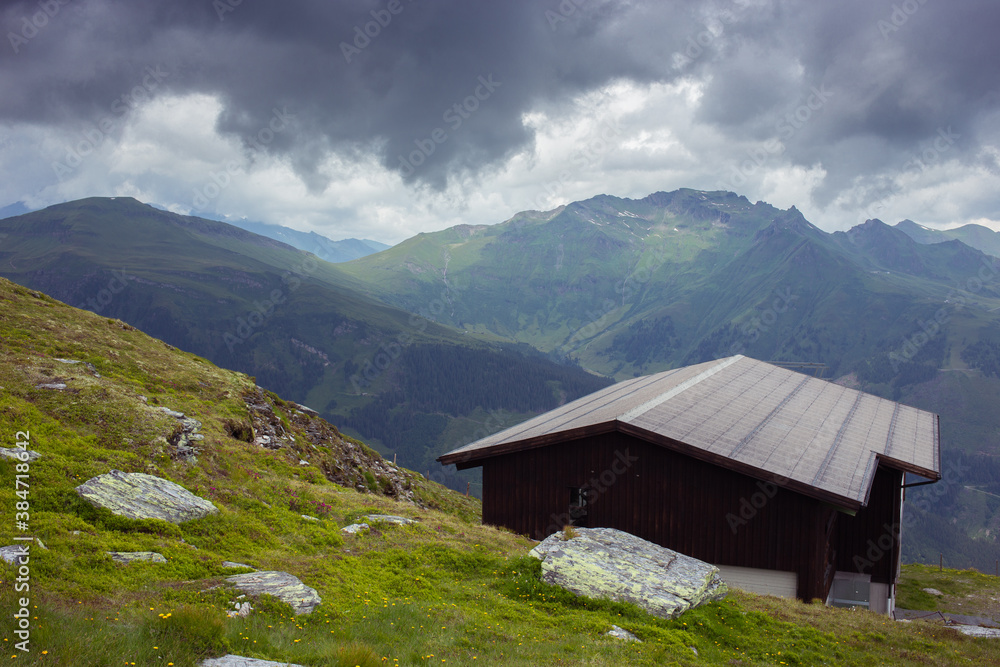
444 591
294 322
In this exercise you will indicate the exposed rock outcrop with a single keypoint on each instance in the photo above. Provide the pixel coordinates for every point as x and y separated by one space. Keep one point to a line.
612 564
286 587
184 436
140 496
268 430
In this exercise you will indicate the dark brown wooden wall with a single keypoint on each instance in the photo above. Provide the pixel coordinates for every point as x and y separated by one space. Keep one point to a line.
693 507
869 541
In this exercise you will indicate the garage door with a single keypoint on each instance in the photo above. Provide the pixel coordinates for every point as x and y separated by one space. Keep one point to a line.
756 580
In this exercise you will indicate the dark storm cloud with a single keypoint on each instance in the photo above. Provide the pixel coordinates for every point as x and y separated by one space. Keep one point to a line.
354 80
897 73
351 78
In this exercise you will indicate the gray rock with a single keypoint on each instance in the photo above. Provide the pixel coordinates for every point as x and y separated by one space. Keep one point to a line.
14 553
932 591
140 496
171 413
229 563
976 631
127 557
389 518
619 633
239 661
55 386
304 409
68 361
612 564
241 610
308 518
355 528
17 454
286 587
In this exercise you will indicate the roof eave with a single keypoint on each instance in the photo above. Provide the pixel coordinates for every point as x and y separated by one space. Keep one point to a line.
474 458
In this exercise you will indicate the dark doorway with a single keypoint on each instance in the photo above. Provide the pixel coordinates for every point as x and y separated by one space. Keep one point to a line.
578 506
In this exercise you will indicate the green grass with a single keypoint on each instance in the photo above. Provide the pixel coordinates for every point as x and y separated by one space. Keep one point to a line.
444 591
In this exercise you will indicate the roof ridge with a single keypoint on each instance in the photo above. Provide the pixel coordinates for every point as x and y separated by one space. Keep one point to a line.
683 386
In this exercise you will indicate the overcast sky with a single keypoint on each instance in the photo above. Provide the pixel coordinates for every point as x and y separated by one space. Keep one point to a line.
385 118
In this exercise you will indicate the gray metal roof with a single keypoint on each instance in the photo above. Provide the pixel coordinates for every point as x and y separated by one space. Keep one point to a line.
800 431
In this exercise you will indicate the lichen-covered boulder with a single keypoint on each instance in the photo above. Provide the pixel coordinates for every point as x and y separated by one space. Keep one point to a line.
136 495
612 564
286 587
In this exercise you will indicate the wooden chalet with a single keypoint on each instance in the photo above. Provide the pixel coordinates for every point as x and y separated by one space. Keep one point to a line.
791 484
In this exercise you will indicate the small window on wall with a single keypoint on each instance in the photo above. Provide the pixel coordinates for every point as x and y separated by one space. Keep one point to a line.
578 506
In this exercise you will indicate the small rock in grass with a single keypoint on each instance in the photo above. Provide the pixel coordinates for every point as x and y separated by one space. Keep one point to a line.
619 633
19 454
282 585
239 661
14 553
355 528
389 518
126 557
229 563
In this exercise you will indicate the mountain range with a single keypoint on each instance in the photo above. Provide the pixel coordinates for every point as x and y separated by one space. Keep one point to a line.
454 334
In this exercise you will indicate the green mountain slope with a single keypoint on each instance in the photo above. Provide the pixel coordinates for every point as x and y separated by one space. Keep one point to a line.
257 305
326 249
974 236
627 287
443 590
